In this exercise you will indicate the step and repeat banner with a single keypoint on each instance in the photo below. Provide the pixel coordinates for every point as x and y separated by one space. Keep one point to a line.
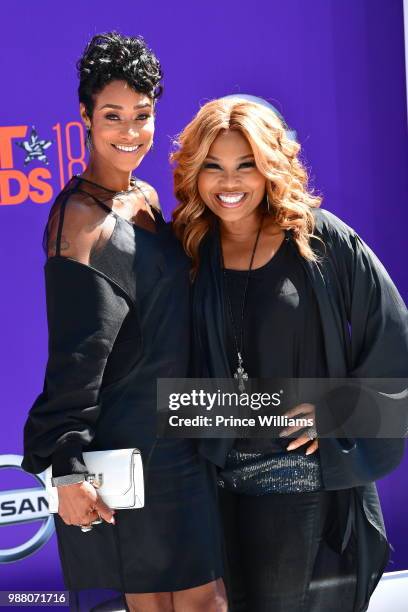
334 69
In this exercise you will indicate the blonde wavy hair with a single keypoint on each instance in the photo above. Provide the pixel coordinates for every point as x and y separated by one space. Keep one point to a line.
276 157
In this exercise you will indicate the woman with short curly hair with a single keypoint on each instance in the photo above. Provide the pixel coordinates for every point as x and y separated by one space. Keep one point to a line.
284 291
117 285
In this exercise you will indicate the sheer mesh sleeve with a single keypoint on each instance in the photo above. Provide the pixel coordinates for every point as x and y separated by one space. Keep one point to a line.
85 313
77 226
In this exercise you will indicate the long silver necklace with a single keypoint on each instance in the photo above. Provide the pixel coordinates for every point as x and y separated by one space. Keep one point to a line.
240 374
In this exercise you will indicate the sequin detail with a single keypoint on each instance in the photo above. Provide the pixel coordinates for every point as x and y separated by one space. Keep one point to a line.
253 473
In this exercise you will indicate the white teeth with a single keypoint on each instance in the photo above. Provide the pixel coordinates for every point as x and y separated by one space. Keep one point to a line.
231 199
127 149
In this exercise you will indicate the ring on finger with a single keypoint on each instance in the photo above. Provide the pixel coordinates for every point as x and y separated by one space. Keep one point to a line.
97 521
311 433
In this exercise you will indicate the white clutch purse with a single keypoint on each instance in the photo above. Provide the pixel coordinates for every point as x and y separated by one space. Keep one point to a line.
118 475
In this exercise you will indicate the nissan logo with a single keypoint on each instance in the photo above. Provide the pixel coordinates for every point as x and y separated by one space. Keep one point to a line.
24 506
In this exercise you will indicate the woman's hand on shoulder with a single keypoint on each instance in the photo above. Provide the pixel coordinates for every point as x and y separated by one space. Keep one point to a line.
80 504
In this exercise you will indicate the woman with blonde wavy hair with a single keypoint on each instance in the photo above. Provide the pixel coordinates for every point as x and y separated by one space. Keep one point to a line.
285 290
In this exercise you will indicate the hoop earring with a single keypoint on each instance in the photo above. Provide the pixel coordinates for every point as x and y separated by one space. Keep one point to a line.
88 139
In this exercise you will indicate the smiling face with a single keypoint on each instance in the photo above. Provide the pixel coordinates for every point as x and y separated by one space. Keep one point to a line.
229 182
122 126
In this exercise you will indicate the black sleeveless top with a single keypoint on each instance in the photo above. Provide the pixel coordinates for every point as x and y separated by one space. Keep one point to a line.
282 338
115 324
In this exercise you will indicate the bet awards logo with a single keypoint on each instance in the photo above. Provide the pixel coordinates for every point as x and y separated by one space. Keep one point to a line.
20 506
56 158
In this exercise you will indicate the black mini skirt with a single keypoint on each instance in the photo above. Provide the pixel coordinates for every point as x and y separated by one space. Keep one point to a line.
171 544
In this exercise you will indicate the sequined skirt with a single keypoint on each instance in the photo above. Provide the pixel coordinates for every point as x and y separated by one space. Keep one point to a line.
258 473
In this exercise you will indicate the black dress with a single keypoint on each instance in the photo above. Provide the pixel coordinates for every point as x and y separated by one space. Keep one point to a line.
115 326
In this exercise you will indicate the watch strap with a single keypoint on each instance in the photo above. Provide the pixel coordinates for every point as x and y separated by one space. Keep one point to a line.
63 481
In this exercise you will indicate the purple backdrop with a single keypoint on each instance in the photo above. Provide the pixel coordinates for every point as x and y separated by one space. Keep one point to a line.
334 69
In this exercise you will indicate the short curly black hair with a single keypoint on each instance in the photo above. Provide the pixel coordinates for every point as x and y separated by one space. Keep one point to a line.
113 57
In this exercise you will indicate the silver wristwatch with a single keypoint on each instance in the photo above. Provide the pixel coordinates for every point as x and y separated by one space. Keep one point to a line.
63 481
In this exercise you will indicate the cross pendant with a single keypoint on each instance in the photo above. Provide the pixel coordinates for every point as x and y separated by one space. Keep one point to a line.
240 374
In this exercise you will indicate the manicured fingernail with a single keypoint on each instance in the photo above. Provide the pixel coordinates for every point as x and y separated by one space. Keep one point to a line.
112 521
290 447
283 433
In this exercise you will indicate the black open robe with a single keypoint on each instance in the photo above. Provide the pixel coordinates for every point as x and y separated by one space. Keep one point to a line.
365 328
